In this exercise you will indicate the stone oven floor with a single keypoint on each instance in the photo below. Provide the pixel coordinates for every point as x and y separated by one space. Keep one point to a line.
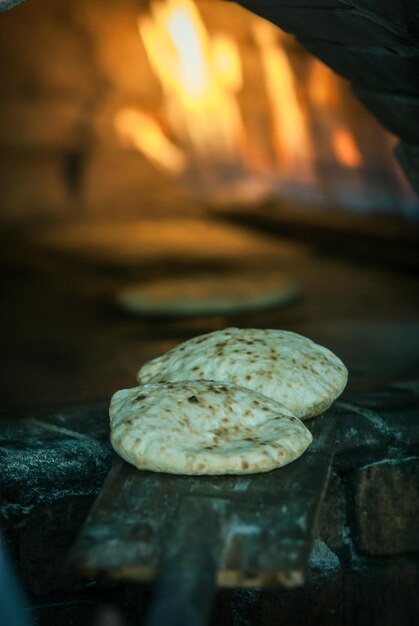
66 348
63 340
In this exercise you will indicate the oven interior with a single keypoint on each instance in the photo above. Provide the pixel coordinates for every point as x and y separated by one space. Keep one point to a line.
156 157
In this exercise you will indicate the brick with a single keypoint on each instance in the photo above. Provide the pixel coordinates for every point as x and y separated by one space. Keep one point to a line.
362 436
47 457
376 424
397 112
33 185
123 182
399 410
386 501
382 592
319 601
52 124
45 49
332 515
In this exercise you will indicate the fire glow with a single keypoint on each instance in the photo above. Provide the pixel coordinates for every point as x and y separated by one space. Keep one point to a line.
199 76
202 130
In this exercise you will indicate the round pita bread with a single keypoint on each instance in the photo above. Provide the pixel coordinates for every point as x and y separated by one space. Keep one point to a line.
204 427
303 376
209 294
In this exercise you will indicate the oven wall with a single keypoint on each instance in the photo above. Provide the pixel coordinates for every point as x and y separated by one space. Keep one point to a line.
63 66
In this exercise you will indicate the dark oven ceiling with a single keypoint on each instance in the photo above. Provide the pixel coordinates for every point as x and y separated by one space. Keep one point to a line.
371 43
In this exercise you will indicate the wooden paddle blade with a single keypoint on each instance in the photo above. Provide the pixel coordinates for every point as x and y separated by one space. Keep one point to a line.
258 528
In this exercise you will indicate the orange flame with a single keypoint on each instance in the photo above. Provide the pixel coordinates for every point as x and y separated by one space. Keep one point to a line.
199 76
345 148
291 137
142 132
227 63
201 79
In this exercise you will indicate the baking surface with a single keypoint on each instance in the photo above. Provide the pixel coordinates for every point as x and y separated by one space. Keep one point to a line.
64 341
261 526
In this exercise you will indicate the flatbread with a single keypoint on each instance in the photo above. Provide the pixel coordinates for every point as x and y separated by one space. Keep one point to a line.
302 375
204 427
209 294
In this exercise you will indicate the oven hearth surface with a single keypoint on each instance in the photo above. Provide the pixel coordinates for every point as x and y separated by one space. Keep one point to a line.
63 339
67 348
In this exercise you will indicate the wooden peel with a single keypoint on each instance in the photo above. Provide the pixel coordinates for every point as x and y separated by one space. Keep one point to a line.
194 532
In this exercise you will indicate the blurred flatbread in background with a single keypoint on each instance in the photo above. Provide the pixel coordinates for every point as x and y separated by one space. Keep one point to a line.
209 294
147 241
